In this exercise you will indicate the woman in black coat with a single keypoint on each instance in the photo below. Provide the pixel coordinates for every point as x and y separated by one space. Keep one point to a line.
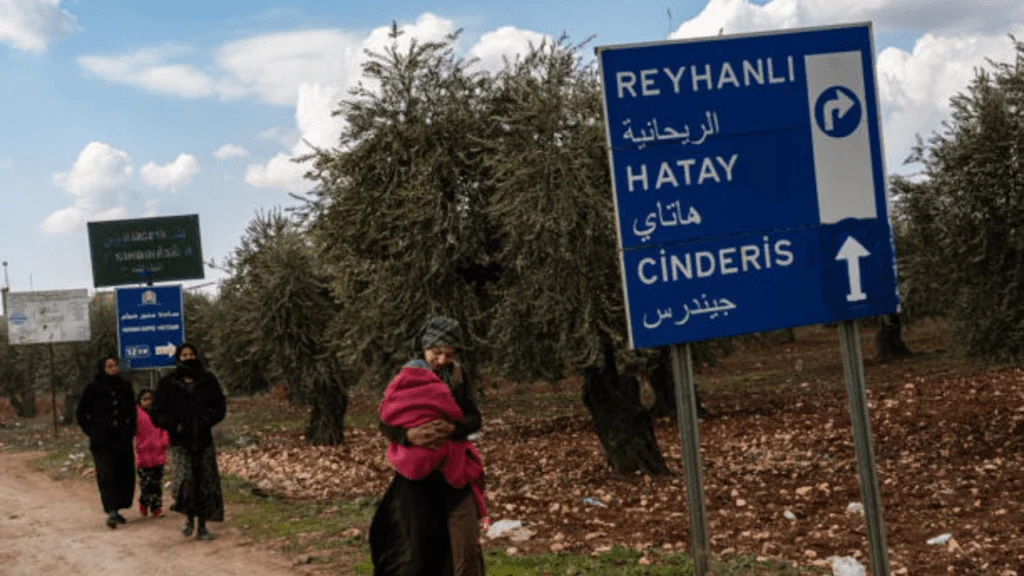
188 403
106 413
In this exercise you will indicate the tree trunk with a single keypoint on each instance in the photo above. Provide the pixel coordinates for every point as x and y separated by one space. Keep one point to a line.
624 427
327 418
661 381
889 340
297 395
24 403
70 406
664 386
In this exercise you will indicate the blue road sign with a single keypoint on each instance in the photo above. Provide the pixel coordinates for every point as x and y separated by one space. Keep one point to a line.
749 183
150 325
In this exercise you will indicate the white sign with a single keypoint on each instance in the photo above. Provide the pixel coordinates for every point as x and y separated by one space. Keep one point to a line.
48 317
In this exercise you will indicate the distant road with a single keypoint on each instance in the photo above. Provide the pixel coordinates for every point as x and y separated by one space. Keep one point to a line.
56 527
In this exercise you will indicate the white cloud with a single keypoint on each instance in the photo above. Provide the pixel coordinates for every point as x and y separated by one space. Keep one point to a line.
313 116
230 151
6 163
151 70
151 209
96 181
312 70
915 87
173 175
271 66
737 16
316 100
427 28
72 218
274 66
99 168
279 172
30 24
506 42
317 126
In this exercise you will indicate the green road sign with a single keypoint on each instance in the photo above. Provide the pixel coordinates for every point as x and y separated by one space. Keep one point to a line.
163 249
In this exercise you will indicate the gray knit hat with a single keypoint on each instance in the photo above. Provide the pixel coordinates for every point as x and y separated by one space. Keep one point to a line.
441 331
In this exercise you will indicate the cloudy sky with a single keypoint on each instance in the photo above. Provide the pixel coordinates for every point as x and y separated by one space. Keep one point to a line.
136 108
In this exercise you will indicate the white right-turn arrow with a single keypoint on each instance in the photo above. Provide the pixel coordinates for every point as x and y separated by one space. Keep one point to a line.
852 251
841 104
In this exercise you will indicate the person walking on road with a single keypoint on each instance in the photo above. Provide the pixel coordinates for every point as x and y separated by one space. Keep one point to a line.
188 403
106 413
150 457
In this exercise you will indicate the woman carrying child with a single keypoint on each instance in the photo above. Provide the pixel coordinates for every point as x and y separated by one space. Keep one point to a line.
428 522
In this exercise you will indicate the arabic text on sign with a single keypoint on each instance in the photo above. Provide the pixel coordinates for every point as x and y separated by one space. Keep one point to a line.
675 210
713 308
152 254
143 236
654 133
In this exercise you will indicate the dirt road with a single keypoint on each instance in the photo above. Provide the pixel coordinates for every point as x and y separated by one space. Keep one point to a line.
56 527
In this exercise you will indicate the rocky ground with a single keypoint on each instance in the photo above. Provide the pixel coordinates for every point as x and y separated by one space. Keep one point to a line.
778 462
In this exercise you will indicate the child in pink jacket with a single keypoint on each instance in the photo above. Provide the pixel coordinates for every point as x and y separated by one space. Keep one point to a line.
150 456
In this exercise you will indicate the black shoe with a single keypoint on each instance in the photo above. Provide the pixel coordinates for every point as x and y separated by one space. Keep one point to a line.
189 527
204 534
120 519
112 521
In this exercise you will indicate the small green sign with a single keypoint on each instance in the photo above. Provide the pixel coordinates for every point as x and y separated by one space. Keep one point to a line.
163 249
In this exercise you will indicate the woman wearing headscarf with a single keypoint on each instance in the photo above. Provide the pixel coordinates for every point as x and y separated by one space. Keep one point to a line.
106 413
428 527
188 403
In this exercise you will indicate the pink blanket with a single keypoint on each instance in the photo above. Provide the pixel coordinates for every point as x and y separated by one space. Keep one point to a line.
417 396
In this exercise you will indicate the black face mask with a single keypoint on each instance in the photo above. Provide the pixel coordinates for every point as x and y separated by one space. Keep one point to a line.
193 366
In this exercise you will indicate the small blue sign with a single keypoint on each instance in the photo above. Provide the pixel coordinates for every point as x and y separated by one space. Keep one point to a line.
150 325
749 183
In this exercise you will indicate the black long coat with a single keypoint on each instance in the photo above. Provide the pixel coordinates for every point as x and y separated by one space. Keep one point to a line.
409 532
106 411
188 411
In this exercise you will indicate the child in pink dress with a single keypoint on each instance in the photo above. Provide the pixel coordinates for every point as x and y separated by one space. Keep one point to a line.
150 456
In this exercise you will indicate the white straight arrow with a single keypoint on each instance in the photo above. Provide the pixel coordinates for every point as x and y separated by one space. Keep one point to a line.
852 251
